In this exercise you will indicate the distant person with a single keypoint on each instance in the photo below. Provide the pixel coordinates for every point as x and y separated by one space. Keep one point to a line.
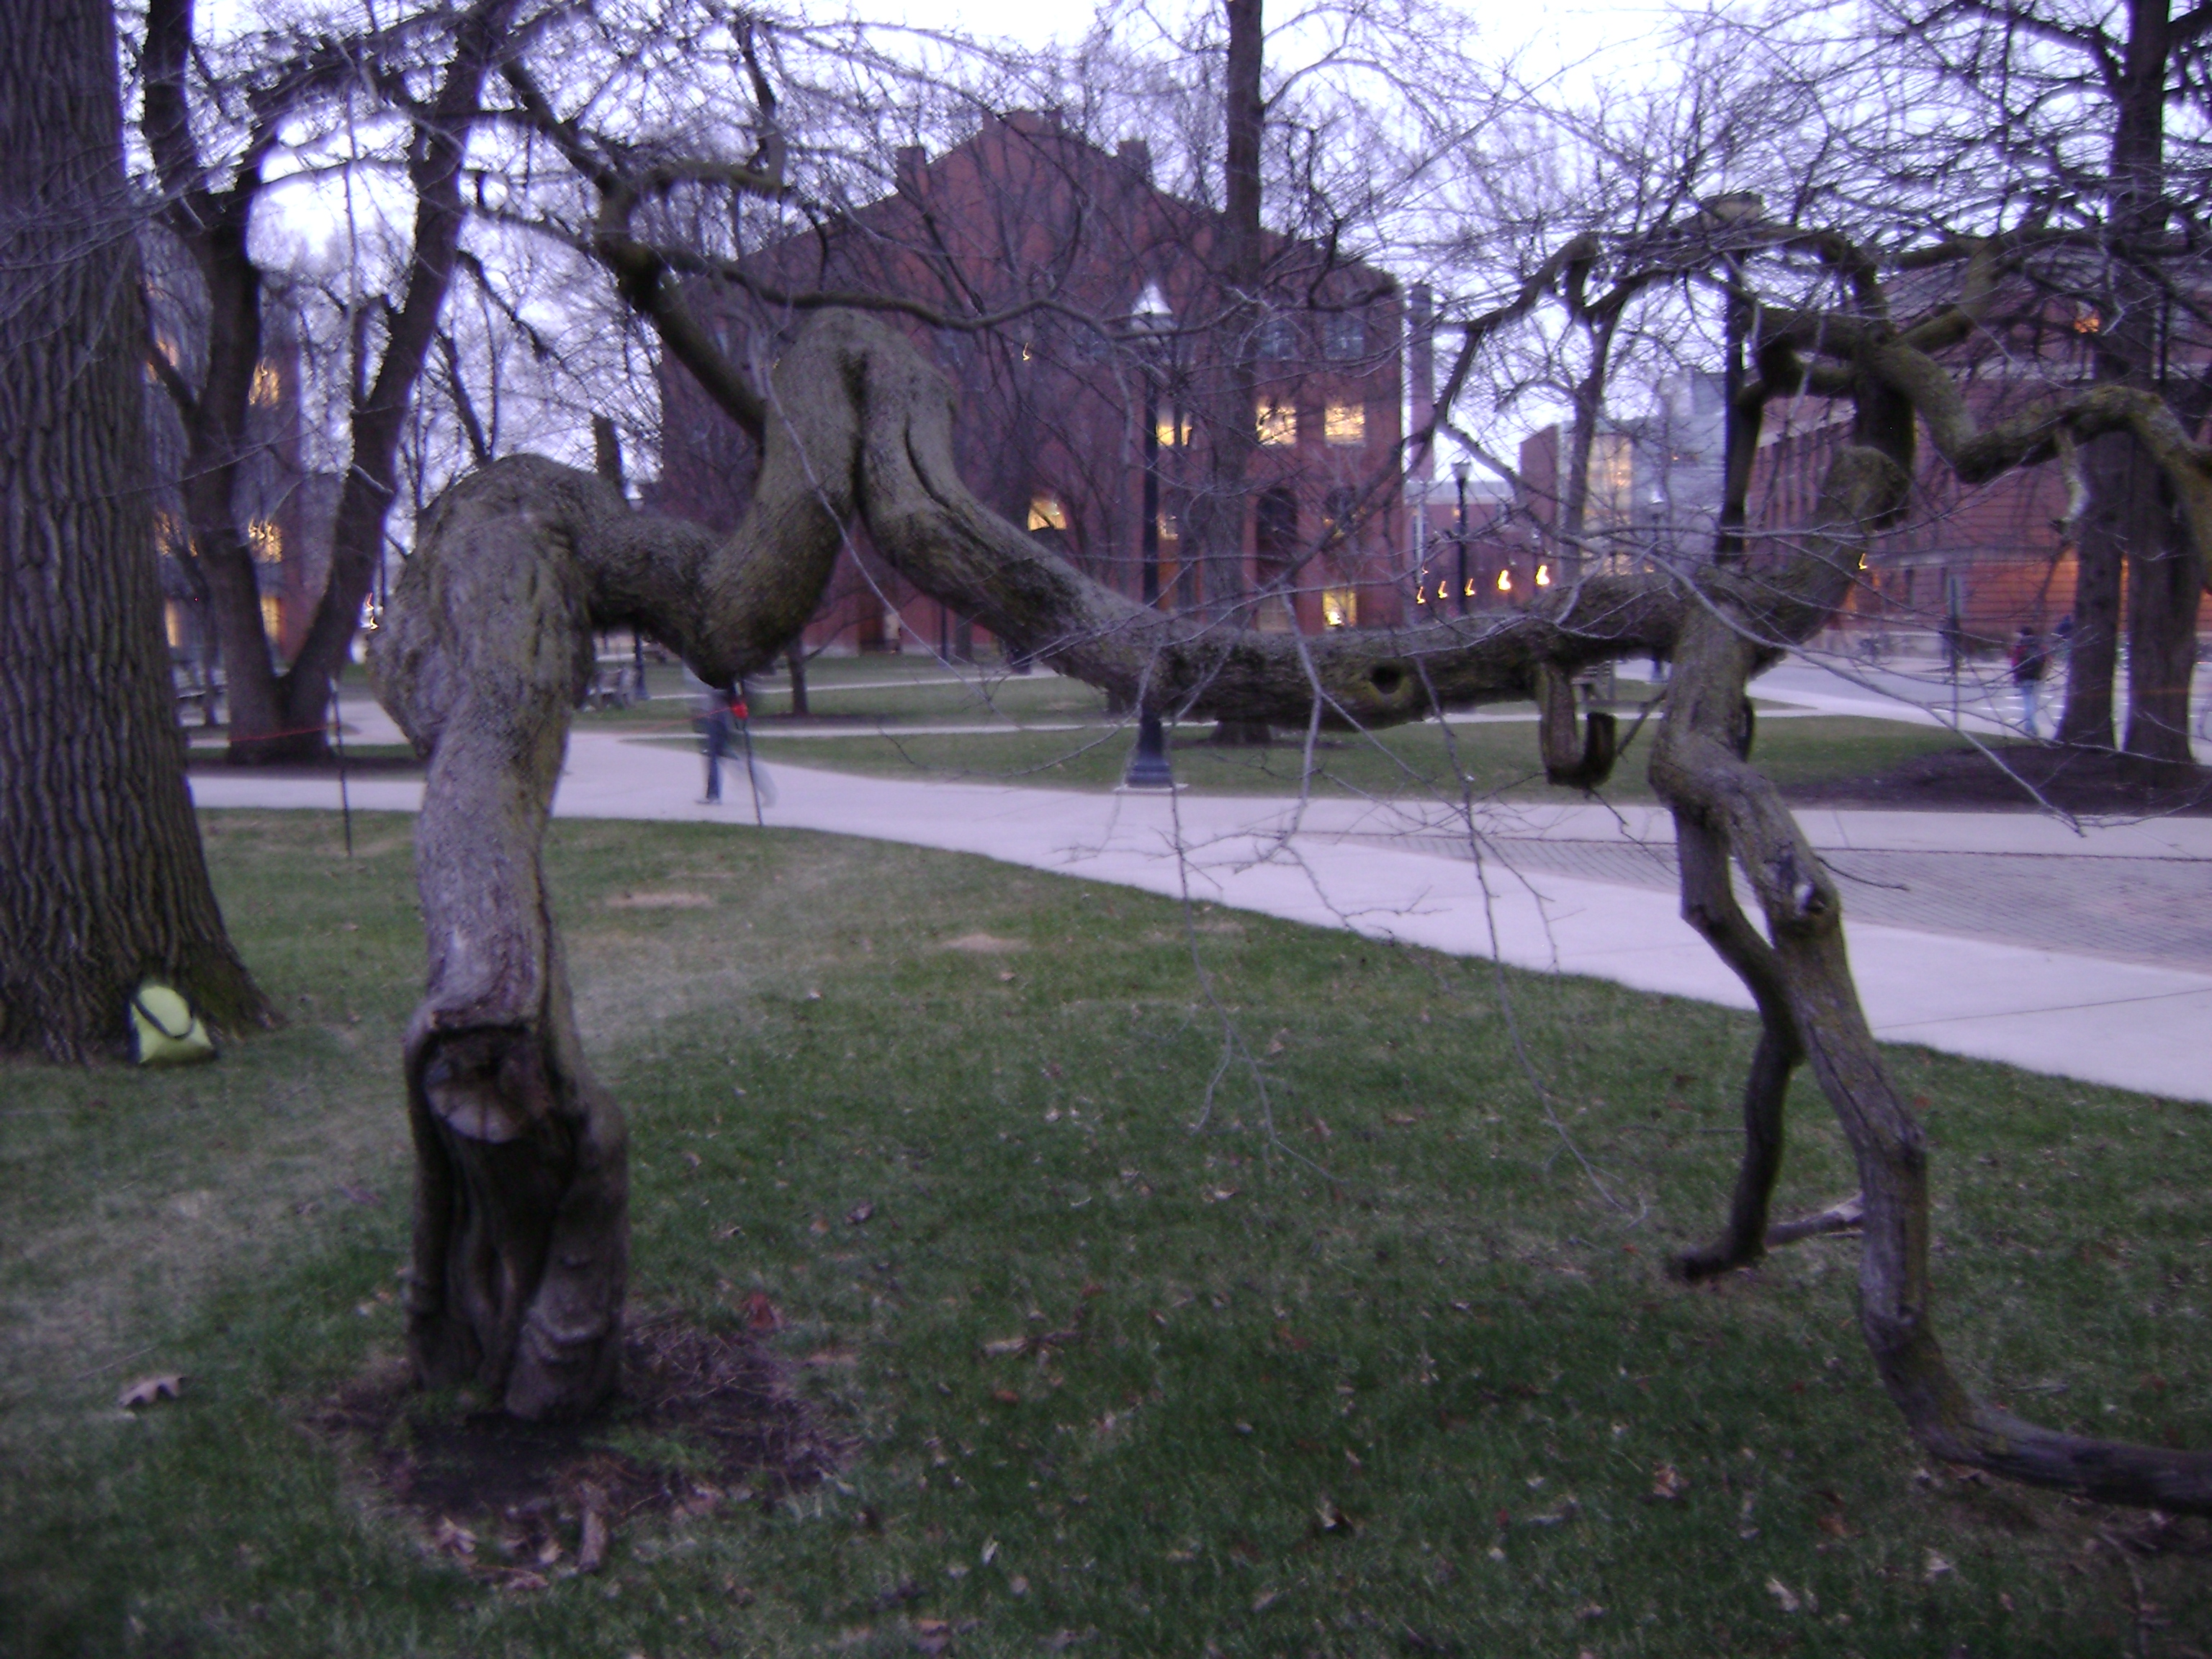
719 713
2030 657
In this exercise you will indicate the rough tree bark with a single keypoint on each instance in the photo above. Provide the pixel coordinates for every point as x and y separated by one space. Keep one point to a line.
520 1240
102 878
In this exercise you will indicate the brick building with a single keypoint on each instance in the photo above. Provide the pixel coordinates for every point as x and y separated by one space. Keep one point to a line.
1986 558
1052 405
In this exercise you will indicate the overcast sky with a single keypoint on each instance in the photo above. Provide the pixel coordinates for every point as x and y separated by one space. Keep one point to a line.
1555 35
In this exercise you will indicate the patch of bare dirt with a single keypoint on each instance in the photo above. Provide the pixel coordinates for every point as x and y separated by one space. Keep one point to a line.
681 899
986 945
2092 782
703 1421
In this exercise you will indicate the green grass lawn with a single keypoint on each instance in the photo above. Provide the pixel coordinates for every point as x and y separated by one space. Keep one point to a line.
1497 758
1397 1377
903 689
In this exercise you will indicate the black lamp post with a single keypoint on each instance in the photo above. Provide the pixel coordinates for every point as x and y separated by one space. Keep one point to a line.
1460 469
1150 319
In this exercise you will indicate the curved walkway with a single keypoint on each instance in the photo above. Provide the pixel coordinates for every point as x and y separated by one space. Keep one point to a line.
2109 984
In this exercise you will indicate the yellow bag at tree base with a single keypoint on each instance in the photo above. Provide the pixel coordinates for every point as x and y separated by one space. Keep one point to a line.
169 1033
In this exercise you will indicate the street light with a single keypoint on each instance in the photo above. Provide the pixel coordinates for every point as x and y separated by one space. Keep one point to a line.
1149 324
1460 469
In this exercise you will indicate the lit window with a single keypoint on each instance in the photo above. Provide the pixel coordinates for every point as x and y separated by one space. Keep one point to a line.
273 618
1543 575
2088 322
266 541
1172 428
1278 424
1339 607
1344 336
1277 339
265 385
174 614
1170 527
1505 581
1345 423
1046 514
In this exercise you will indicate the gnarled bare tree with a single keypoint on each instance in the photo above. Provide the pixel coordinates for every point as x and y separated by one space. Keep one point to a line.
520 1235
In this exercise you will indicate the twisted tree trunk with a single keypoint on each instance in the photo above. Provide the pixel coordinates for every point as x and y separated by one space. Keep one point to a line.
102 878
520 1231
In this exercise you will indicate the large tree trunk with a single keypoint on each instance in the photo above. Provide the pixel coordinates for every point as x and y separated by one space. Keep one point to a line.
2164 581
102 878
2118 476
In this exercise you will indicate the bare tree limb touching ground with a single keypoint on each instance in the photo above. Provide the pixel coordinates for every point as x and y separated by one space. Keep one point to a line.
521 1244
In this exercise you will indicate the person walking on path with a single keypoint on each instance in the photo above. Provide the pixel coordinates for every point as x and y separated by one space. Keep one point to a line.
717 717
2030 657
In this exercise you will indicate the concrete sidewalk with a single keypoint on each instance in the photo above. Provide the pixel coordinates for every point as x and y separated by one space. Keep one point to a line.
1407 873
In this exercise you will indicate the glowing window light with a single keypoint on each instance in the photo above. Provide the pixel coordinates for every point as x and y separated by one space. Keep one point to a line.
1543 575
1469 593
266 540
1505 581
1046 514
265 385
1278 424
1339 607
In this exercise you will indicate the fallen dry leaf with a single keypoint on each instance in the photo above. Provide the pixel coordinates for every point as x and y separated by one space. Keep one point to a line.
1667 1483
761 1313
1005 1346
147 1389
862 1212
1784 1597
1935 1567
591 1549
1328 1518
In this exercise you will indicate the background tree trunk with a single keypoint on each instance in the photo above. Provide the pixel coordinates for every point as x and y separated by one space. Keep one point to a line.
102 878
1215 519
2094 651
2164 581
279 715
